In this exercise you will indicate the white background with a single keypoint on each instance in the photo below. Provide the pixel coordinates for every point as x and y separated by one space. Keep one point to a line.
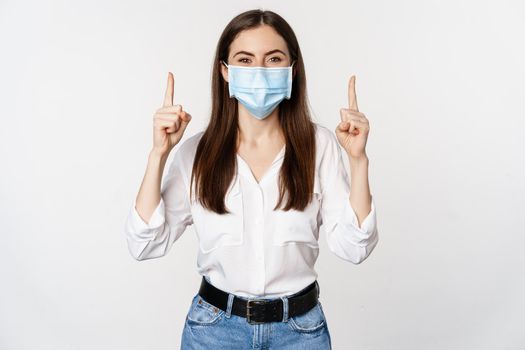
441 82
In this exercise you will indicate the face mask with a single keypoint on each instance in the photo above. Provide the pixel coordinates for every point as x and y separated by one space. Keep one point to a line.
260 89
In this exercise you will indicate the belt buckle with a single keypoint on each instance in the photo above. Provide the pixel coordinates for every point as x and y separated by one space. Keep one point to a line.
249 307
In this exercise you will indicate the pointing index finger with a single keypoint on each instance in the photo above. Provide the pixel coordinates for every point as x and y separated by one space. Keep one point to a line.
352 97
168 96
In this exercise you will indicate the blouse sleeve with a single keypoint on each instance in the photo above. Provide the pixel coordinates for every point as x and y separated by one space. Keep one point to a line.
153 239
344 236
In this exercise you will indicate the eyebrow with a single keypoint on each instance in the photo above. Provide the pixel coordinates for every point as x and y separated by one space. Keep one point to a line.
251 54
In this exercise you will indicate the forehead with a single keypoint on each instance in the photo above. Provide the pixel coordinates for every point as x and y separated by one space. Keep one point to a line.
258 41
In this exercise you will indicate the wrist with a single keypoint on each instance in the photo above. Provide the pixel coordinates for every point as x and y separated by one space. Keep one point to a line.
157 156
361 160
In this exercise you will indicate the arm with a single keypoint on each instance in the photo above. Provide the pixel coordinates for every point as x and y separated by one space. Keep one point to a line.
158 216
360 196
149 197
346 238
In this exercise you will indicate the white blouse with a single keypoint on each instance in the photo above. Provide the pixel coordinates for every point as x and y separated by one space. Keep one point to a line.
255 251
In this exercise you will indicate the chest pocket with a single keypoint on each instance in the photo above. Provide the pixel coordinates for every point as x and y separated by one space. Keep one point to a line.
299 227
219 230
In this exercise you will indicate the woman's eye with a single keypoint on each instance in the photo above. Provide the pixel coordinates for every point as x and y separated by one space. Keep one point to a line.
273 59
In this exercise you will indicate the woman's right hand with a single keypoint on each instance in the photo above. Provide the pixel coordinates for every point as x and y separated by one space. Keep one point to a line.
169 122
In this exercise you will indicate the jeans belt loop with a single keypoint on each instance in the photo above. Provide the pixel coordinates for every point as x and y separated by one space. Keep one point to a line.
284 298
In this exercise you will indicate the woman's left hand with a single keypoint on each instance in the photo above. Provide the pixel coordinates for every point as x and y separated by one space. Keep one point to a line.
352 131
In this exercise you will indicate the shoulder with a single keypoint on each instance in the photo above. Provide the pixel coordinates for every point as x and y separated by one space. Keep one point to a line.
185 151
326 140
187 148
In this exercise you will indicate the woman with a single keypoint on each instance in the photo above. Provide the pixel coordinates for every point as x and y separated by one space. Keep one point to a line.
257 184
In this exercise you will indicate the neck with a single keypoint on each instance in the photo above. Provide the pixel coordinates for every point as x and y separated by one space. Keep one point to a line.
253 130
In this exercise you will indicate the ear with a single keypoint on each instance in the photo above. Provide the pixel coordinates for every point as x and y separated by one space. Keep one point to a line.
224 71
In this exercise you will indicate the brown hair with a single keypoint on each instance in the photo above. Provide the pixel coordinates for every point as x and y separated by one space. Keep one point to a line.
214 166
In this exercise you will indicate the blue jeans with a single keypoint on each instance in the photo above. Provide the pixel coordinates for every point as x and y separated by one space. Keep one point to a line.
208 327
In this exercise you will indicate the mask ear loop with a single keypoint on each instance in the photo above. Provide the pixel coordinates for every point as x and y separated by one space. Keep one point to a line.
227 67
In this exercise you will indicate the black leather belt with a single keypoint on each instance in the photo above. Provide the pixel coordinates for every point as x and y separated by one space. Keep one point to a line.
262 310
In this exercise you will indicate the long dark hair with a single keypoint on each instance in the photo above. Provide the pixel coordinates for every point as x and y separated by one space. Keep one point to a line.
214 166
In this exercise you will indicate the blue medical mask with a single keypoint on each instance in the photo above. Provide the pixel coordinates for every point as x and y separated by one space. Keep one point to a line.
260 89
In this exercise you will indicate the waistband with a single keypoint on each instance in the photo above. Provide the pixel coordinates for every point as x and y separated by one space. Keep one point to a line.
262 310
